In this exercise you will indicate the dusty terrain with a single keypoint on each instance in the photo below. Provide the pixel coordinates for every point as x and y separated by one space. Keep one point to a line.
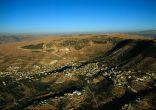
79 72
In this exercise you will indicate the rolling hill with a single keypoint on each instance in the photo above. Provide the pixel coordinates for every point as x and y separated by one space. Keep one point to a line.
97 72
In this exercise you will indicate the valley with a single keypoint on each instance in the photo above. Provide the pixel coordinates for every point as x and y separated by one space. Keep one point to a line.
94 71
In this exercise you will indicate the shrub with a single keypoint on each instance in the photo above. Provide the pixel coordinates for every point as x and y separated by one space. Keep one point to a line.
77 44
37 46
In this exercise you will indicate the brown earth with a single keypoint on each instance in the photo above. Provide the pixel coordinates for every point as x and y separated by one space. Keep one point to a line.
103 72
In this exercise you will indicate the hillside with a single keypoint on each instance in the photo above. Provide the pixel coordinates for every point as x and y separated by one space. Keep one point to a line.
13 38
97 72
149 33
136 54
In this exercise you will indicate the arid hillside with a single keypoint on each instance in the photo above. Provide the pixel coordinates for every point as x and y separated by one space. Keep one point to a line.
136 54
14 38
79 72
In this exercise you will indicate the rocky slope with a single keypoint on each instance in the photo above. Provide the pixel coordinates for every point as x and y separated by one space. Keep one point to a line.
123 78
137 54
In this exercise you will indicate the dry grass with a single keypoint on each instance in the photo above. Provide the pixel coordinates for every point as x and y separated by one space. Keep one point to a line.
13 55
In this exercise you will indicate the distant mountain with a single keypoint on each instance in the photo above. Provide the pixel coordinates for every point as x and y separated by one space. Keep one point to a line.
13 38
151 33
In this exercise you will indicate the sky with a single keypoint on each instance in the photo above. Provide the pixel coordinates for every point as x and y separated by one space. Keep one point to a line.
72 16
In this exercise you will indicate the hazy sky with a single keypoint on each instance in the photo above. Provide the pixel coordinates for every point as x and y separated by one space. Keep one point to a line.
54 16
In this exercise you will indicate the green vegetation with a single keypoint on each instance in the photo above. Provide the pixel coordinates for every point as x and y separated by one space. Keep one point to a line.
50 50
77 44
104 40
50 44
99 40
37 46
35 51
